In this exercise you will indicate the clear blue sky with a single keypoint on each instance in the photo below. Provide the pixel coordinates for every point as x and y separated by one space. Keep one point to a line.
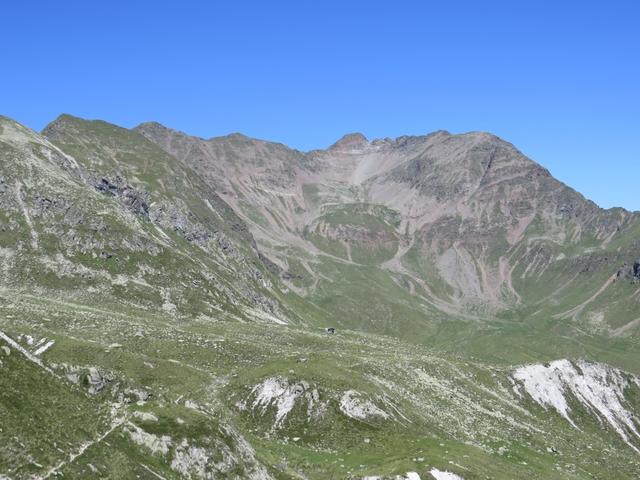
559 79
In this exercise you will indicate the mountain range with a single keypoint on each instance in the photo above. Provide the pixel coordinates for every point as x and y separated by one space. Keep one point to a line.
166 300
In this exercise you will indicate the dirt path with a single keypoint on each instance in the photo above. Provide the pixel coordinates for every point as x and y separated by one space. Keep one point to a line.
83 448
573 313
625 328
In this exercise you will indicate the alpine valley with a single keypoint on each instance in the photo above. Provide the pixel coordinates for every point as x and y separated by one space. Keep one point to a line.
424 307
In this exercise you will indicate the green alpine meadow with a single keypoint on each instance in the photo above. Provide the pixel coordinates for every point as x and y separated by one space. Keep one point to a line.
434 307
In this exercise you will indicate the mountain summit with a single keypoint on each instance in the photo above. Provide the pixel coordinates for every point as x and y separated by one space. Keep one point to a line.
350 141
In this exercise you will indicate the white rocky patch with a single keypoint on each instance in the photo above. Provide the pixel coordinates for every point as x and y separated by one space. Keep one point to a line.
145 416
190 459
153 442
43 348
193 406
444 475
27 217
598 387
277 391
26 338
353 405
168 306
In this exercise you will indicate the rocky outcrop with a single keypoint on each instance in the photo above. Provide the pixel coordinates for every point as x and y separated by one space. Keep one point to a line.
279 393
175 216
353 404
116 186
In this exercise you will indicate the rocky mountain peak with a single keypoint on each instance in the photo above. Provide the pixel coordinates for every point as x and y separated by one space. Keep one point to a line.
350 141
236 136
155 130
151 126
64 122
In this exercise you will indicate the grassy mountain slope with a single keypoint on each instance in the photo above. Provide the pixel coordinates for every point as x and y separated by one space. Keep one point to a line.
125 222
206 397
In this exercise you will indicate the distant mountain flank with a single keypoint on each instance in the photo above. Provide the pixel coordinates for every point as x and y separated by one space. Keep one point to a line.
466 223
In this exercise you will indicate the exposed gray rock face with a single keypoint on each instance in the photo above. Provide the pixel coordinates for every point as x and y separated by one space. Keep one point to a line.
136 394
116 186
176 216
97 380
